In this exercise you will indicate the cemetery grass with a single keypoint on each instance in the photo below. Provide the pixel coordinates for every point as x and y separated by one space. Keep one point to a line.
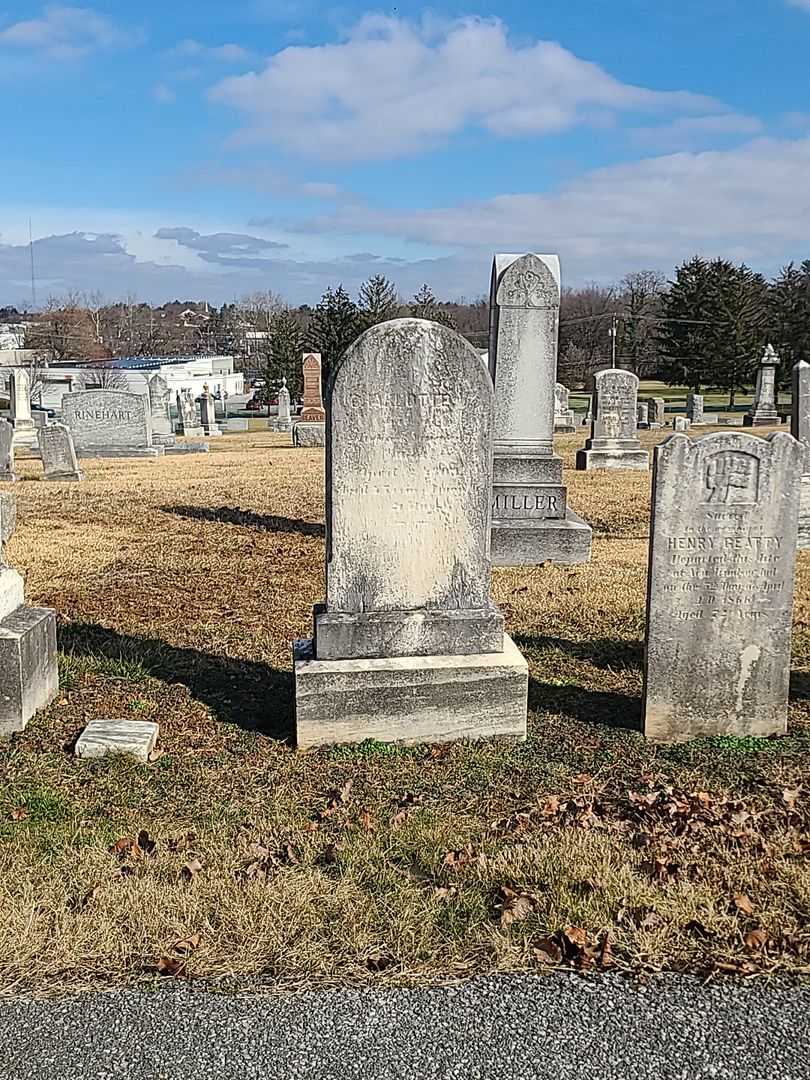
232 857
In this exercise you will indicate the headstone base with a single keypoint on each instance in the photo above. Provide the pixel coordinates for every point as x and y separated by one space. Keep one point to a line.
309 433
212 432
612 459
26 437
191 432
760 419
8 477
424 699
357 636
64 478
29 677
122 452
280 425
566 541
136 738
164 439
188 448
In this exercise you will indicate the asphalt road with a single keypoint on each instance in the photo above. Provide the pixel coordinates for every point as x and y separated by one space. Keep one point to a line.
516 1028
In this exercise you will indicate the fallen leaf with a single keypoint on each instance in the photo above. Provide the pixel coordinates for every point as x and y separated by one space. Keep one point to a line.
547 950
126 848
742 904
328 856
550 806
190 870
145 842
366 820
187 945
399 818
457 858
445 892
606 952
171 966
756 940
79 905
515 905
19 814
789 797
156 755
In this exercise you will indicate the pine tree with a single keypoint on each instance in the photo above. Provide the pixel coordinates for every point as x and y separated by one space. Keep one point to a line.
425 306
790 314
286 348
739 324
378 301
682 339
334 325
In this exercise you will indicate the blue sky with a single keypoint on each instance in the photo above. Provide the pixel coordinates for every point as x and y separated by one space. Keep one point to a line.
212 150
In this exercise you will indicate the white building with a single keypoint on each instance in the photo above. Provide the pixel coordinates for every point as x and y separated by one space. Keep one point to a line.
181 373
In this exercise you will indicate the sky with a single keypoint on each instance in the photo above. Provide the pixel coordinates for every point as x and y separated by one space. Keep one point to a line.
212 150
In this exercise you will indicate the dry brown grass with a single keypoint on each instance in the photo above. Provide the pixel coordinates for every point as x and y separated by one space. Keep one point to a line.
179 586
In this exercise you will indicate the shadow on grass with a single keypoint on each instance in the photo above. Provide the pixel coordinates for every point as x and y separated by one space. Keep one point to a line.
251 695
799 686
593 707
601 652
232 515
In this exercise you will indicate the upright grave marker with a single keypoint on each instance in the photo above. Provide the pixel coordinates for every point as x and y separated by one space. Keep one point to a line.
800 429
58 453
160 397
694 408
613 443
408 646
763 410
208 414
25 432
310 428
563 414
657 412
109 423
531 521
29 679
187 419
642 414
283 418
720 586
7 473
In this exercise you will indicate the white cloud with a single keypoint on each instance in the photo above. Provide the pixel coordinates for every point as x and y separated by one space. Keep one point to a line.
803 5
228 53
394 88
690 131
64 33
751 202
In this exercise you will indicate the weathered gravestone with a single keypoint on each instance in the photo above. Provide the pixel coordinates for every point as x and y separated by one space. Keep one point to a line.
58 453
720 586
681 423
613 443
763 410
7 474
800 429
208 414
657 412
694 408
109 423
29 678
310 428
531 521
187 419
160 398
642 414
25 432
564 419
408 646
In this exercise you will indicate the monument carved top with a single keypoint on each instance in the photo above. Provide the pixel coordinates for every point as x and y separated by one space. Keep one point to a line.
528 281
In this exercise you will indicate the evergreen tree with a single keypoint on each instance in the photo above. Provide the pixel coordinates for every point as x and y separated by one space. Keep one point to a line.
739 324
790 314
335 323
425 306
283 359
682 339
378 301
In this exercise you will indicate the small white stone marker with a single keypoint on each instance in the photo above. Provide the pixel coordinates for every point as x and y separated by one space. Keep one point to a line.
102 737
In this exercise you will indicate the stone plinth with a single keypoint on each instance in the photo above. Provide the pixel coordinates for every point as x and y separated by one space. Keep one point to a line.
613 443
763 409
408 646
423 699
309 433
531 521
135 738
720 586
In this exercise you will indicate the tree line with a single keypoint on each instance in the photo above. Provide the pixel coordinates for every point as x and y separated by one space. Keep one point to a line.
706 327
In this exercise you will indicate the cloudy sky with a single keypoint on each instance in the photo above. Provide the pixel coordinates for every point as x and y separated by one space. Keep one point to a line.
290 145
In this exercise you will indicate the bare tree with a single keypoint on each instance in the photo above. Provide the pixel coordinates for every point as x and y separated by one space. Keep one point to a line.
63 330
100 376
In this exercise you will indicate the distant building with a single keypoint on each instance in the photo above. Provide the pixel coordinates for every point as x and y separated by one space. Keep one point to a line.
180 372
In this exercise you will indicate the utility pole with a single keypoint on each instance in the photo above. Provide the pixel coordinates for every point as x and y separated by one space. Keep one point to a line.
33 277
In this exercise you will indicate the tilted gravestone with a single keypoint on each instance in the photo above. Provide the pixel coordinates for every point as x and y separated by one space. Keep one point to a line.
531 521
7 474
720 586
29 679
110 423
408 646
613 443
763 410
58 453
800 429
